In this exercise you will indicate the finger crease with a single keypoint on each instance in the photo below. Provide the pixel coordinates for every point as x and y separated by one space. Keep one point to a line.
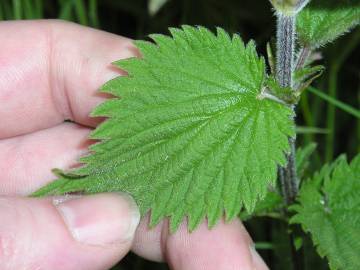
58 91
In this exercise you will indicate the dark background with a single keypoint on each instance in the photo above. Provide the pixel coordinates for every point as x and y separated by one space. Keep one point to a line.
334 130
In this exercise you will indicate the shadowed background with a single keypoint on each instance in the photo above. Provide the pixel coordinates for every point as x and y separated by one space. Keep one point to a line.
332 128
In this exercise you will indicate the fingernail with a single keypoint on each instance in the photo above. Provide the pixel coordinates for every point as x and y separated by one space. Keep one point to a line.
100 219
258 262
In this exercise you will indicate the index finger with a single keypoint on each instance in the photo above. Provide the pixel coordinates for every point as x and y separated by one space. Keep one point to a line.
51 70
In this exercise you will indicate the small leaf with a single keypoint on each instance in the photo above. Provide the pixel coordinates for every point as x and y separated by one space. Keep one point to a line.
189 136
304 77
155 6
270 56
322 21
329 208
289 7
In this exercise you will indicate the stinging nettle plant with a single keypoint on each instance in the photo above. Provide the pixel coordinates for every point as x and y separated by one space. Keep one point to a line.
200 129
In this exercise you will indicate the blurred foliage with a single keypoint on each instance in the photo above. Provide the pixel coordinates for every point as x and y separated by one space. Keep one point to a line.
252 19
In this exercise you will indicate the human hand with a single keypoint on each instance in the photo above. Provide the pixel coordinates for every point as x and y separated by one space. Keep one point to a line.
50 71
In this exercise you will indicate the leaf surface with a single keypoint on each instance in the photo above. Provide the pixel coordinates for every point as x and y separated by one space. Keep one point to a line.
189 136
322 21
329 208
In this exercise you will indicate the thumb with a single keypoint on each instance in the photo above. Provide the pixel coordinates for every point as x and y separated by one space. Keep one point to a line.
90 232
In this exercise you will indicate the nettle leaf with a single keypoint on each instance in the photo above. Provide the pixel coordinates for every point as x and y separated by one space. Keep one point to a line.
322 21
189 136
329 208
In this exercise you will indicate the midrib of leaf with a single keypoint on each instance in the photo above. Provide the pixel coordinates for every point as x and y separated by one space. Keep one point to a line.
215 145
181 108
228 110
135 151
244 120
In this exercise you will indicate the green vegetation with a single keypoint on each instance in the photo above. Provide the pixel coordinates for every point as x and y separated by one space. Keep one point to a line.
327 113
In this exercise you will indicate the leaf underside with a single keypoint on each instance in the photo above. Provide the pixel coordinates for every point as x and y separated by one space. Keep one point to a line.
189 136
329 208
322 21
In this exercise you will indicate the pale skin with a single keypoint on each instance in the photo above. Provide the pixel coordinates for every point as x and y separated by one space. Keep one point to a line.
50 71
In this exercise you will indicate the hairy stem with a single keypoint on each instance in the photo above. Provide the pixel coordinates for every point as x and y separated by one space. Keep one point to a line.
284 71
285 49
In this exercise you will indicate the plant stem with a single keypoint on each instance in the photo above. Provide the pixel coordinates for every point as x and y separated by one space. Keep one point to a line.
285 49
284 71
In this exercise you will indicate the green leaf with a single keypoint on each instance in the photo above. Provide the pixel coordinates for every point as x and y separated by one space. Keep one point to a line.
304 77
189 136
322 21
329 208
270 57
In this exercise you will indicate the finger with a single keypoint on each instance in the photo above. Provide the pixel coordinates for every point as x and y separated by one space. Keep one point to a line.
56 75
26 161
226 246
90 233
